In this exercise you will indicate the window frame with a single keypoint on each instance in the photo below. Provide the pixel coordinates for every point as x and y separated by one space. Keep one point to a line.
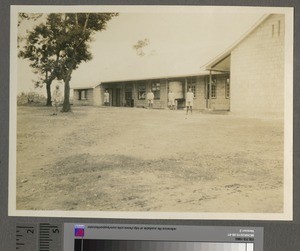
214 90
139 91
82 94
191 83
155 88
206 90
227 88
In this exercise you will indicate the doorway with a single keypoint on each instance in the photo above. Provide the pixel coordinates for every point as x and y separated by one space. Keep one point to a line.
116 97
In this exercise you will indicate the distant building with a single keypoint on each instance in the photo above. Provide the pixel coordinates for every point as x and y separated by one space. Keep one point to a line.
90 95
132 93
247 78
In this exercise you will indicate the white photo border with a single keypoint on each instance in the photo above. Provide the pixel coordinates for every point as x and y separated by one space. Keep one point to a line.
287 214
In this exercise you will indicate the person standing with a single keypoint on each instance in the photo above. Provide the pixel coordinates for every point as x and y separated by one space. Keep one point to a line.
106 98
150 98
56 99
189 101
171 97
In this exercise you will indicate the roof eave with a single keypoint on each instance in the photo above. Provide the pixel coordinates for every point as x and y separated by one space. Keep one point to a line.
228 51
202 73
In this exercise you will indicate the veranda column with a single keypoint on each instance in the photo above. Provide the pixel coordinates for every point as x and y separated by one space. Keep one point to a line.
209 91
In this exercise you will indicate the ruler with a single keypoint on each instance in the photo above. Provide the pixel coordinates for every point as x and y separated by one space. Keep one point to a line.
26 237
39 237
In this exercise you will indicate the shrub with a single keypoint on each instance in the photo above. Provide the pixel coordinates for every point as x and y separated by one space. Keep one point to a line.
31 98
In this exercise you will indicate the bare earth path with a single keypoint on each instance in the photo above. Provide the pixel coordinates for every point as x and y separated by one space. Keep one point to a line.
148 160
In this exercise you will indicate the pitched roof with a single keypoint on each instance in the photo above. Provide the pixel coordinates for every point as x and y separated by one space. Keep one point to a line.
84 87
225 54
200 73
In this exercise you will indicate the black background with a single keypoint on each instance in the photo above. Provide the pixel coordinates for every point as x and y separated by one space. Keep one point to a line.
278 235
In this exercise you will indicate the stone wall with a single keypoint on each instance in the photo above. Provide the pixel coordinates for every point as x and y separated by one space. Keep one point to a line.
157 103
98 96
257 70
221 102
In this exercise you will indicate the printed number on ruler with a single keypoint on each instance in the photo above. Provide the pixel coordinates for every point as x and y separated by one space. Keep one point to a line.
50 237
26 237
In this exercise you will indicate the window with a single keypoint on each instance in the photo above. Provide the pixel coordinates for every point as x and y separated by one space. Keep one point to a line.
82 94
276 27
227 88
193 87
155 87
141 91
192 84
213 90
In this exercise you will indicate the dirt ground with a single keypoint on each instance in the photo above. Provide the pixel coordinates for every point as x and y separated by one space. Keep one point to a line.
134 159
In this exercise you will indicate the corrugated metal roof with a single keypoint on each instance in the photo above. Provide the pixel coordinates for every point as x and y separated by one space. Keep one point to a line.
84 87
203 70
200 73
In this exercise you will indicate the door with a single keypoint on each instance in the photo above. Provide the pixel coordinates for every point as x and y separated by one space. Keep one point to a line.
128 96
116 97
128 99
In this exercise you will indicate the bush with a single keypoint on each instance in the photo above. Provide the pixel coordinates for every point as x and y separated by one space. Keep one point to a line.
31 98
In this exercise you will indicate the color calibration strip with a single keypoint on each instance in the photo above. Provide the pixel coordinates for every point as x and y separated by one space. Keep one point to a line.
144 237
134 245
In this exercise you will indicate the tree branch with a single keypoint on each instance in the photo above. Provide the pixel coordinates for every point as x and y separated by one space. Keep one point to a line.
76 20
86 22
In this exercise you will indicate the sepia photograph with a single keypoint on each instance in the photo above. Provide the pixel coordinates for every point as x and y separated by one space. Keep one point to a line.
164 112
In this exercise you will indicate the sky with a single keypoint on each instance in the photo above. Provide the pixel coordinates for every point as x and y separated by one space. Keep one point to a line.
179 44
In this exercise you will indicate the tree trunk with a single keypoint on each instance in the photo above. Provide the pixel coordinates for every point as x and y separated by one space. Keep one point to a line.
48 85
66 104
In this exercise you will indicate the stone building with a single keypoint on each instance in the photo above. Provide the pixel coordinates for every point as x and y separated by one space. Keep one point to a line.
89 95
132 93
256 66
247 78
